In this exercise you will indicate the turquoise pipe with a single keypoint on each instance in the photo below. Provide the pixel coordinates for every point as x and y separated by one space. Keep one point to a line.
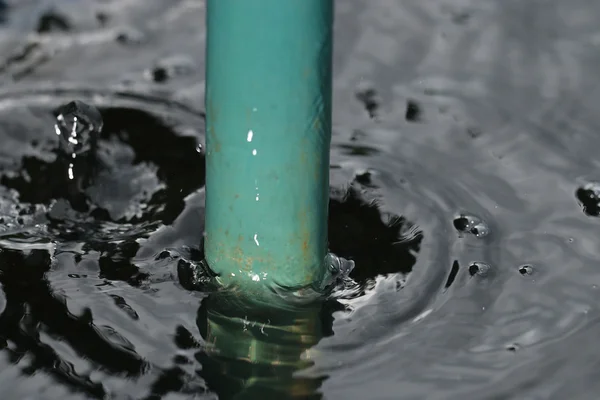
268 133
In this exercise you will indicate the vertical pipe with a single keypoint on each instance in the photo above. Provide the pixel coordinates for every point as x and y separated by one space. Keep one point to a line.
268 133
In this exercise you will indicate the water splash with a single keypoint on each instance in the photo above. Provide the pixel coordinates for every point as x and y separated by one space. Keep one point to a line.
78 126
195 274
339 268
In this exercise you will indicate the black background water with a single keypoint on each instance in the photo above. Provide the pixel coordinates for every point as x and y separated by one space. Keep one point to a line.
464 163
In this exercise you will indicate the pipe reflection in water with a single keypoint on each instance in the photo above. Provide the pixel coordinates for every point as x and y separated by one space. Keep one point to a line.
255 353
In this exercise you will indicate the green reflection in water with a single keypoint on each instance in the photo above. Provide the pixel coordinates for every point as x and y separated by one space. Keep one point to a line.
255 352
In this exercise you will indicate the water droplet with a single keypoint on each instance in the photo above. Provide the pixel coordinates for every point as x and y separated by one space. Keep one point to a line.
358 134
589 198
339 269
474 132
159 74
513 347
364 177
163 254
471 224
526 270
52 21
78 126
171 67
400 284
461 17
368 96
102 18
339 265
413 111
130 36
479 268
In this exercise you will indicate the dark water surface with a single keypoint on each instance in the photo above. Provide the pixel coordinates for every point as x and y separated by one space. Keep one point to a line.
464 186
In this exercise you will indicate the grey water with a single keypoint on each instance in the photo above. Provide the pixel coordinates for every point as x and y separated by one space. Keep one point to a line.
465 188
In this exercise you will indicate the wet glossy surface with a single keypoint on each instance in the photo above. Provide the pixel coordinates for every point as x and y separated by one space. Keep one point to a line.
467 130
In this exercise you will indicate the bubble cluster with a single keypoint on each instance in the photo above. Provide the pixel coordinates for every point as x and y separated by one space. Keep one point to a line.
471 224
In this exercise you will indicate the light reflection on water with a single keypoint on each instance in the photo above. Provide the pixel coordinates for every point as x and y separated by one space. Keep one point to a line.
443 110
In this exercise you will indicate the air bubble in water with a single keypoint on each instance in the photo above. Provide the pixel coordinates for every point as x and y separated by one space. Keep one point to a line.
479 268
471 224
589 198
526 270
